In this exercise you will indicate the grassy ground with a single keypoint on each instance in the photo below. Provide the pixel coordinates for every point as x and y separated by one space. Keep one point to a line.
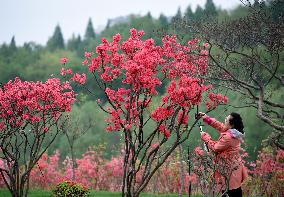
48 193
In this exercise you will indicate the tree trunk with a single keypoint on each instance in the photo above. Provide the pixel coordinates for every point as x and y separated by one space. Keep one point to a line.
181 172
73 163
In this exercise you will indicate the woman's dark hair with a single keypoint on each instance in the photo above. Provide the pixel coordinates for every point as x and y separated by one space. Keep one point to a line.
237 122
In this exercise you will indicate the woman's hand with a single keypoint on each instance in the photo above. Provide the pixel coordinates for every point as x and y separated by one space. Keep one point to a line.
202 133
200 114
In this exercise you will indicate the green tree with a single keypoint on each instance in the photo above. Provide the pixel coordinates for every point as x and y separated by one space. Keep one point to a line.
199 13
108 24
163 21
149 15
90 33
56 41
276 8
74 43
177 17
210 9
189 15
12 46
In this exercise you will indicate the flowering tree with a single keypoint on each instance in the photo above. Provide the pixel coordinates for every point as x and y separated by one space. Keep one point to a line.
73 131
46 173
267 173
246 55
138 67
29 122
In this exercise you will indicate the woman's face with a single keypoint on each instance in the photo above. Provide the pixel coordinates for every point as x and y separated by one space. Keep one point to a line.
227 122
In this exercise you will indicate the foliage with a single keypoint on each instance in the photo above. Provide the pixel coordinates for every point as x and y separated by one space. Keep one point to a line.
57 40
246 57
90 33
29 122
70 188
267 173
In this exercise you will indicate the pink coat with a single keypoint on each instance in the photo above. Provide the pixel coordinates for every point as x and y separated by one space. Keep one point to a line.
228 144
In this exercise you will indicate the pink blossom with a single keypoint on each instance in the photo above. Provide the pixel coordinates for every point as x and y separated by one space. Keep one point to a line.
116 72
167 133
162 113
2 125
35 101
116 38
88 54
26 116
81 79
64 60
85 62
199 151
206 44
63 72
36 119
128 126
69 71
106 77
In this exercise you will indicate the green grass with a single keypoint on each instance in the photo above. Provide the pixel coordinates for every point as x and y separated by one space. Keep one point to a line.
48 193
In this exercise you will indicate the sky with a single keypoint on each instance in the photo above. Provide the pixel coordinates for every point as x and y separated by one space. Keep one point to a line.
35 20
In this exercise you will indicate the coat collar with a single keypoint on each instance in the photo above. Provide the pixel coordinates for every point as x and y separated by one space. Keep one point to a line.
236 134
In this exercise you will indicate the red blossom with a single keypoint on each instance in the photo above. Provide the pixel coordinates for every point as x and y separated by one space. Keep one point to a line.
85 62
81 79
88 54
34 102
199 151
64 60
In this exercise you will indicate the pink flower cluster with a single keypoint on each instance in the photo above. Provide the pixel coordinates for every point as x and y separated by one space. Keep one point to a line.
267 164
64 60
199 151
66 71
267 173
164 130
162 113
23 102
81 79
187 92
98 173
215 100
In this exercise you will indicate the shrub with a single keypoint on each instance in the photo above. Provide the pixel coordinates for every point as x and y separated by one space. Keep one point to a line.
70 188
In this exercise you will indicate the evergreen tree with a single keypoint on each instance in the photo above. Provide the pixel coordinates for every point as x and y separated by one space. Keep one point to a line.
189 14
199 13
149 16
210 9
276 8
256 3
108 24
163 21
90 33
177 17
5 53
74 43
12 46
56 41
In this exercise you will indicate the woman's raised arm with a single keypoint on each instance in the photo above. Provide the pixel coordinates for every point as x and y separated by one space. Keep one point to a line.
214 123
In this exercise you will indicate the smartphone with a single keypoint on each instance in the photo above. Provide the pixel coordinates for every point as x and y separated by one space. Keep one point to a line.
201 128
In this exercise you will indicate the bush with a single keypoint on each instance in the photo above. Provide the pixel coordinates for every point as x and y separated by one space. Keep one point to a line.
70 188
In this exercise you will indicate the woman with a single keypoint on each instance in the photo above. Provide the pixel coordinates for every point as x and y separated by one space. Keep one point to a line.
228 145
